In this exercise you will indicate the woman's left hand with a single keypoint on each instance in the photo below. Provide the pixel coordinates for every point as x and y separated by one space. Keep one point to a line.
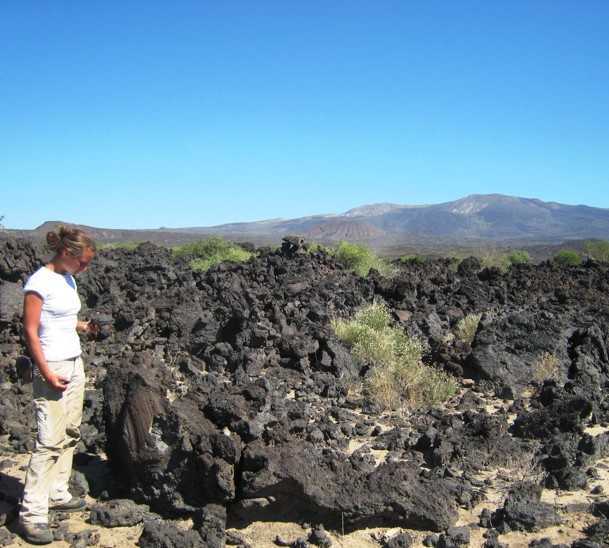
88 327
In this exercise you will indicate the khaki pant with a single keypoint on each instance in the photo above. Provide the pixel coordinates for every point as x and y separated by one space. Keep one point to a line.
58 418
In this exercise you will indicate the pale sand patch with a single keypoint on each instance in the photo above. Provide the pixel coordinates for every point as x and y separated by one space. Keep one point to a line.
263 534
119 537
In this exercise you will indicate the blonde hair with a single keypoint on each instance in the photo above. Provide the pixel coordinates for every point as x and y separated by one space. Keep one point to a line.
72 239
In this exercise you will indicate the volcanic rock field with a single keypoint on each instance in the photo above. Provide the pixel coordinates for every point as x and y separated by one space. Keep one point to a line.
224 397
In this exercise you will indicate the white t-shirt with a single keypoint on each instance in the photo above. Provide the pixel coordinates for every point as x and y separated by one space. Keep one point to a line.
60 306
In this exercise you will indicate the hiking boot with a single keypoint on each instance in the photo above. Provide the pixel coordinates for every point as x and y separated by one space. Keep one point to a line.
73 505
37 533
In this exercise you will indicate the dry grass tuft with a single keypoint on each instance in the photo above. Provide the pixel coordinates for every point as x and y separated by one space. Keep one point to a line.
546 367
398 377
466 328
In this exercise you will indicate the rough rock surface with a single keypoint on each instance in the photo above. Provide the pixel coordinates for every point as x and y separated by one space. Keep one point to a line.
224 396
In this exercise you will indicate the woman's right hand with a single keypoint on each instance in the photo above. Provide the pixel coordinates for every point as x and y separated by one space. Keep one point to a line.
57 382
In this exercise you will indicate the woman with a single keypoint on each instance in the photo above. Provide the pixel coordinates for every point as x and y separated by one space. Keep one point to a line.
51 327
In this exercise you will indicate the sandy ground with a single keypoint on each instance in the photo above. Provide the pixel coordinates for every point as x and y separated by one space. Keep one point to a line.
263 534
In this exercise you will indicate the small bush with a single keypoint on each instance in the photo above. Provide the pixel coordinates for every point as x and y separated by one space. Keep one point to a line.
467 327
211 251
453 261
518 256
546 367
413 257
359 259
492 258
455 257
315 247
567 258
597 250
398 376
121 245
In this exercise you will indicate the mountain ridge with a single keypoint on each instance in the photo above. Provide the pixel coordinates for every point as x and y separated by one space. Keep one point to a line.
477 217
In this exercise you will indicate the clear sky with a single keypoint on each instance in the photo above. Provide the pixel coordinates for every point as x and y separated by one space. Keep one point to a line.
142 114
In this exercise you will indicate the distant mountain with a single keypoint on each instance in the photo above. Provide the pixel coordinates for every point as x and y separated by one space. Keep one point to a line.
347 230
486 216
493 217
372 210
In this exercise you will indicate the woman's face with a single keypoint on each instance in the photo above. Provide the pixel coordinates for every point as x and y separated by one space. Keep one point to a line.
74 264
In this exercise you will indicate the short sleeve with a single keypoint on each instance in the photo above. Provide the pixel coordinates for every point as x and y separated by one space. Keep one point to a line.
36 284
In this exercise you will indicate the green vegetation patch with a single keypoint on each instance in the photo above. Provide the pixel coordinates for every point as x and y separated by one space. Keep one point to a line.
490 257
412 257
518 256
359 259
316 247
120 245
597 250
211 251
466 328
399 378
567 257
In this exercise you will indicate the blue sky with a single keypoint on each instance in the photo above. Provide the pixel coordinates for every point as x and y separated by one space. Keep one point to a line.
141 114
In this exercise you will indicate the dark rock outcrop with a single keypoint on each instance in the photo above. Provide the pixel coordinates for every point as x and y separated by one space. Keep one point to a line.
225 395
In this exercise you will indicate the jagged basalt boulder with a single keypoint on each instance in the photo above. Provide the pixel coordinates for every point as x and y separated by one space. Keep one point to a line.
524 511
327 485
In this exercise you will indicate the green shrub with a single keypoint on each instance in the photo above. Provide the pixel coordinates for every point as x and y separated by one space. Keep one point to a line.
490 257
518 256
315 247
415 257
211 251
597 250
453 260
454 257
466 328
398 376
359 259
567 257
120 245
